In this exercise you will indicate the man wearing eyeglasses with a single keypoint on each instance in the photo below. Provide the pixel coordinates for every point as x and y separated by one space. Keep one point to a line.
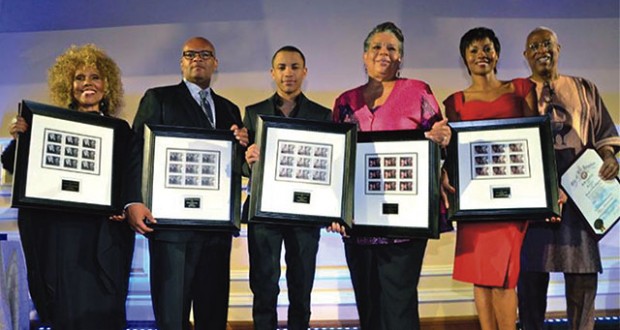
188 268
579 120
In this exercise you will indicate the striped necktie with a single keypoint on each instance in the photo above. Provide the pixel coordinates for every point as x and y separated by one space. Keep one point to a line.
206 107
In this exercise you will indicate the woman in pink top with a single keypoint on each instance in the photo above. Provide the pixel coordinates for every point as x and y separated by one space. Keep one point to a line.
487 253
385 272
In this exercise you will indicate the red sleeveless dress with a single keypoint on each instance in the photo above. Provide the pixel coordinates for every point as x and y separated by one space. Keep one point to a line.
488 252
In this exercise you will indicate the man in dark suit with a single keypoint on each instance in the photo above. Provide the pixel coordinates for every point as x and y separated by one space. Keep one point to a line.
188 267
265 240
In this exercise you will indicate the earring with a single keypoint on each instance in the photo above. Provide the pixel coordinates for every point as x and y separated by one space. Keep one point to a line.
103 106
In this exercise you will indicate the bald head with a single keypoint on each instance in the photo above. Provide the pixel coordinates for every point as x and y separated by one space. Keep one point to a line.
198 41
198 61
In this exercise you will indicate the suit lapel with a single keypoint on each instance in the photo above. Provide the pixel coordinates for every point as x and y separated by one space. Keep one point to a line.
270 108
222 115
192 108
304 111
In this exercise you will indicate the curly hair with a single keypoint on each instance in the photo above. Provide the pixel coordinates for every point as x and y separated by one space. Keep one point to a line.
61 75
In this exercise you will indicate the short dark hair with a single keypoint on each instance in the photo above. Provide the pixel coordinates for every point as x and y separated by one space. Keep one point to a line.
386 27
288 48
475 34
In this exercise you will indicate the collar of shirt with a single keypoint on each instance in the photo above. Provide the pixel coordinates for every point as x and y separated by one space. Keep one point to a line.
195 90
278 103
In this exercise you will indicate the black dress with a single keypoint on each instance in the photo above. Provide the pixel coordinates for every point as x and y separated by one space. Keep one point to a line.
78 265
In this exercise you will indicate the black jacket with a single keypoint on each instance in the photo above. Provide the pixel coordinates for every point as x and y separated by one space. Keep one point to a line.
172 106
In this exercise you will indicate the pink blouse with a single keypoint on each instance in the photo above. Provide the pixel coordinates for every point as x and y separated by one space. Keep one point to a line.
411 105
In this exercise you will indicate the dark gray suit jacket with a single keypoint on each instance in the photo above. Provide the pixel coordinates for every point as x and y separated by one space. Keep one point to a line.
172 106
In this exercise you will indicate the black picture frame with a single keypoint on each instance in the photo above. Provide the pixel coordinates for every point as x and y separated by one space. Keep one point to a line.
69 160
191 178
396 185
299 182
502 169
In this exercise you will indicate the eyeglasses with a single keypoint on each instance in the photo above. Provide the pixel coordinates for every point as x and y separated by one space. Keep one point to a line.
546 44
204 54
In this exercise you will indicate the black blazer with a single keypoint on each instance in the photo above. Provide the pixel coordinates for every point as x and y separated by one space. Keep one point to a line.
172 106
307 110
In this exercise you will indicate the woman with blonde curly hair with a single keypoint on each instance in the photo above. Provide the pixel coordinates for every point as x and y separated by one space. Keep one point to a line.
78 264
70 69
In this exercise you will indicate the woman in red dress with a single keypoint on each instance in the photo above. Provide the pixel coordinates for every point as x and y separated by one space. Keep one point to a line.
487 252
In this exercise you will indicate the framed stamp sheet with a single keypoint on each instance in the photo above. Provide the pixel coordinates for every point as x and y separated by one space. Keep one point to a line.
396 185
192 177
69 160
598 200
305 172
503 169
